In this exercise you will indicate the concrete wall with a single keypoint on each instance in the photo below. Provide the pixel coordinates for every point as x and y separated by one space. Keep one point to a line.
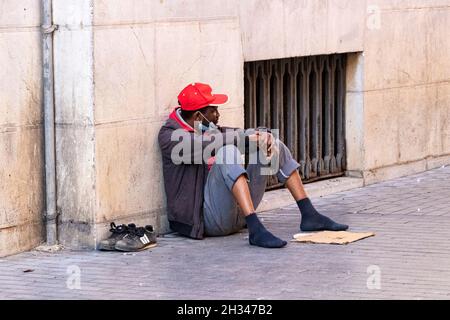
398 98
144 52
290 28
406 88
74 113
132 57
21 133
119 65
144 55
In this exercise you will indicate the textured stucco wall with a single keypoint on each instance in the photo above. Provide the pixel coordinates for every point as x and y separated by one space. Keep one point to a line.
146 51
136 55
406 88
119 65
144 56
21 122
74 116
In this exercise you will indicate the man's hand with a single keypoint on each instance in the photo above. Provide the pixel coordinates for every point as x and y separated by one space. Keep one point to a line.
253 137
266 142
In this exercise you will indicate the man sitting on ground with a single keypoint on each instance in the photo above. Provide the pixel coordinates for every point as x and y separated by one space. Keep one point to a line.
217 196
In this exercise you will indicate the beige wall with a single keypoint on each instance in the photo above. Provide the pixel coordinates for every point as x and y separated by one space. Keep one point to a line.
74 116
145 52
407 88
119 65
142 60
398 90
136 55
21 153
289 28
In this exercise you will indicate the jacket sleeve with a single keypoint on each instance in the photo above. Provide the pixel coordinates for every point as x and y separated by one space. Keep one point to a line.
183 147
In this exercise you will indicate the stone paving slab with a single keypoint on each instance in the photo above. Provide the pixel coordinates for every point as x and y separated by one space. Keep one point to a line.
409 258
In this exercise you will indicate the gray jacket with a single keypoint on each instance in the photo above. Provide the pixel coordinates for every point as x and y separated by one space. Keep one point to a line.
184 183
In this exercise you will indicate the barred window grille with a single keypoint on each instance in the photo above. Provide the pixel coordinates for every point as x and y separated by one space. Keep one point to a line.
304 98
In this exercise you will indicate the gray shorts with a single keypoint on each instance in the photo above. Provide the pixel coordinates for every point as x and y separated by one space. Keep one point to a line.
221 213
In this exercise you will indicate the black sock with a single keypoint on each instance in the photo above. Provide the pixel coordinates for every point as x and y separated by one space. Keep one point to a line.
314 221
259 236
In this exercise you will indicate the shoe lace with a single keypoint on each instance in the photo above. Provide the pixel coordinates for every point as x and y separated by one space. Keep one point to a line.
134 233
118 229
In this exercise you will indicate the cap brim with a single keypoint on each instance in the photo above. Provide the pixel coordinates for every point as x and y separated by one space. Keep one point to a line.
219 99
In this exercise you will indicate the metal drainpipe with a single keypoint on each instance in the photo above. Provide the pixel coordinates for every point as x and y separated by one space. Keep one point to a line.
49 121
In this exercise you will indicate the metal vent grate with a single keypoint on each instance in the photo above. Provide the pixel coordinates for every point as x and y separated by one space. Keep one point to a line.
304 98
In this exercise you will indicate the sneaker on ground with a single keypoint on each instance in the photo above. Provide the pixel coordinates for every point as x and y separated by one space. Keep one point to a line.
137 239
117 233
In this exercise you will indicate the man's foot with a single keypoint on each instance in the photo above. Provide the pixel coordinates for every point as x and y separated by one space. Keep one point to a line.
266 240
319 222
259 236
314 221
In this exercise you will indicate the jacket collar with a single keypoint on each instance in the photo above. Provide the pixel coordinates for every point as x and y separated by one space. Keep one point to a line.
175 115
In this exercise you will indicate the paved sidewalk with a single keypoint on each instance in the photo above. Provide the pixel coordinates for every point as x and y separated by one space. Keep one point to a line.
410 253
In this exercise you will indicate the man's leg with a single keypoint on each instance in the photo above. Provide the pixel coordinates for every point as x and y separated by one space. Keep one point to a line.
311 219
258 234
226 182
220 209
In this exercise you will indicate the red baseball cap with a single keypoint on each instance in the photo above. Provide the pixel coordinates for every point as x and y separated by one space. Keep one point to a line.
198 95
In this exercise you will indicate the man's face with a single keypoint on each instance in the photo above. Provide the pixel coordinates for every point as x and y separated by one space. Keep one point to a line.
212 114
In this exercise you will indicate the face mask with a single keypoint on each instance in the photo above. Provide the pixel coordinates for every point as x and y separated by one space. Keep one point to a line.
203 128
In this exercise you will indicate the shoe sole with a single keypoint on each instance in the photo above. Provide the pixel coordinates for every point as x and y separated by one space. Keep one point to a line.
106 248
149 246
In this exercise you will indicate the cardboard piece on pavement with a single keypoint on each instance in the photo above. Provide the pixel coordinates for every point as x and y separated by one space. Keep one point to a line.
331 237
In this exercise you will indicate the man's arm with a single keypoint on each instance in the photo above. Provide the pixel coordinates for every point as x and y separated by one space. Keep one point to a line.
191 148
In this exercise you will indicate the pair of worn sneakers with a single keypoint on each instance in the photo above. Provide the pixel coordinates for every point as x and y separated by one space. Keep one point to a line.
129 238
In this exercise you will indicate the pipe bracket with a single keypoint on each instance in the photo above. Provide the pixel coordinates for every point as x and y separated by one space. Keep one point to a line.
49 29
